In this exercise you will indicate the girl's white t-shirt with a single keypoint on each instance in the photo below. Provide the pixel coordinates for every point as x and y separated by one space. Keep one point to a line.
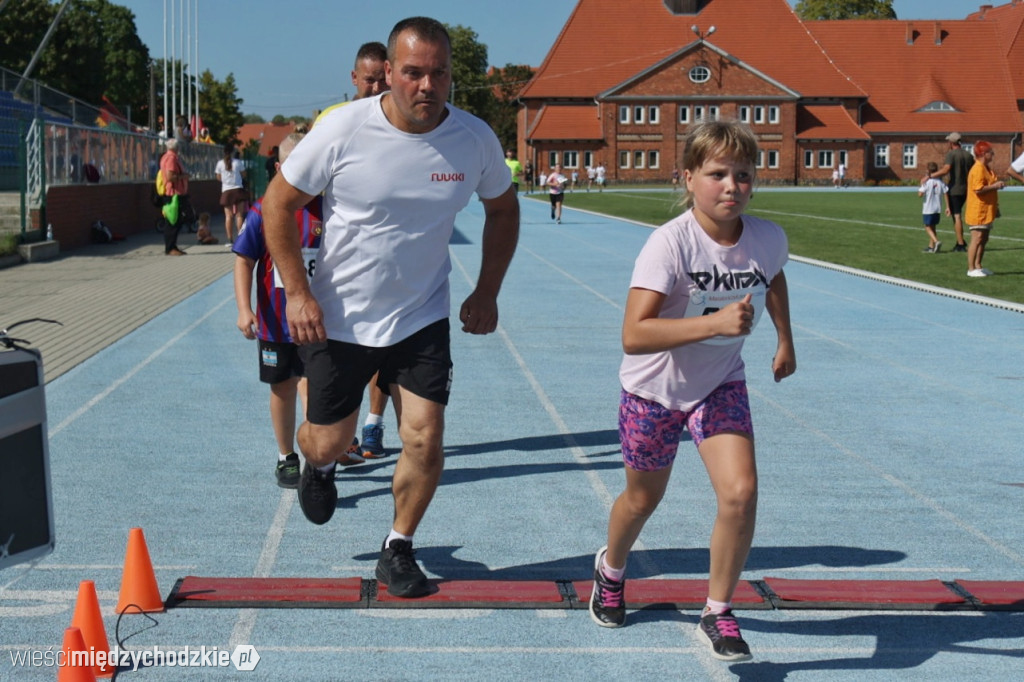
229 179
390 200
699 276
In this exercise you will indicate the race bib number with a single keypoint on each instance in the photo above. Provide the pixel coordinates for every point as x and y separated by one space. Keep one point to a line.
308 260
708 302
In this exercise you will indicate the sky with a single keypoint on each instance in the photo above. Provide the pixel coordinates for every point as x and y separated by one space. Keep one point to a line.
294 57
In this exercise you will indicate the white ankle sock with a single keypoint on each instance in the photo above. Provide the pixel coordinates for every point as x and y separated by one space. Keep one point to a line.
395 535
717 607
374 419
615 574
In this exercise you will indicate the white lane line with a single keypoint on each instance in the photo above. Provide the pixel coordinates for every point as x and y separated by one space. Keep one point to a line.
242 632
92 402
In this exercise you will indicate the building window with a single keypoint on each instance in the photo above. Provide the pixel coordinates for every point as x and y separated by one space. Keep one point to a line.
713 113
744 114
760 159
653 115
773 158
881 156
843 158
552 159
570 159
700 74
824 158
938 106
653 159
623 114
684 114
808 158
773 115
588 159
623 159
638 159
910 156
638 114
758 114
698 114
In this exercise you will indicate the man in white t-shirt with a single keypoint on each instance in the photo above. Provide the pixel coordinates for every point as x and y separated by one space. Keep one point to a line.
394 169
1016 169
599 173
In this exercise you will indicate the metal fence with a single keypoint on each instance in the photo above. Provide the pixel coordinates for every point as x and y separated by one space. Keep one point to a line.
76 154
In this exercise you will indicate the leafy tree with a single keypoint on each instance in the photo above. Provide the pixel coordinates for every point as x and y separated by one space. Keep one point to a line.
472 92
221 107
253 118
95 51
506 84
810 10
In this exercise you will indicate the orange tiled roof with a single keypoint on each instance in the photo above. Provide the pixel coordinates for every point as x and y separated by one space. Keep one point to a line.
607 42
915 63
567 122
268 134
827 122
1009 19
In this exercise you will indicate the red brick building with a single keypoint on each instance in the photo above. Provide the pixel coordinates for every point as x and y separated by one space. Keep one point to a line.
624 81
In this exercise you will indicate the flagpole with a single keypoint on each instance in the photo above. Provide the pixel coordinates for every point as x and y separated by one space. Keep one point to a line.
166 113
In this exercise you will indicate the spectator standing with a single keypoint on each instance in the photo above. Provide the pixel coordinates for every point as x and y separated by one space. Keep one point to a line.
957 165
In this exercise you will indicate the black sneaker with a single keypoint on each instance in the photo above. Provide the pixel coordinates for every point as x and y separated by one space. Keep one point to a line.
397 569
317 494
722 634
607 600
288 471
961 248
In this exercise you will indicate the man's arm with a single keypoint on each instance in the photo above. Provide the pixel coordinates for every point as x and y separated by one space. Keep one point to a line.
479 313
305 319
944 170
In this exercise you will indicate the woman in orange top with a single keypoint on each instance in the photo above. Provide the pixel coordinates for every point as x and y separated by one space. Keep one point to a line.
982 206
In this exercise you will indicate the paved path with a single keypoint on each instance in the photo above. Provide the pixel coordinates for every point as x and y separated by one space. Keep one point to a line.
103 292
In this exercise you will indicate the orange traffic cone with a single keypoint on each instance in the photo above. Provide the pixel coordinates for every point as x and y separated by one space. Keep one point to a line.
138 582
89 620
75 668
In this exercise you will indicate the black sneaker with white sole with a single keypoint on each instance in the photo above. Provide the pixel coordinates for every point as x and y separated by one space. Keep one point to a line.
397 568
287 471
721 632
607 599
318 496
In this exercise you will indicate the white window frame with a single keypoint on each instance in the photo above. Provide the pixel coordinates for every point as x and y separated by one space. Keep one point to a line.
624 157
684 113
881 156
714 112
910 155
638 114
624 113
773 158
699 73
760 159
553 159
774 115
808 158
638 158
758 115
571 159
744 113
698 113
844 158
654 159
826 158
653 115
588 159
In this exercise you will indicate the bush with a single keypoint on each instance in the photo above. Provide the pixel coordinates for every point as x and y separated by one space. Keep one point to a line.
8 244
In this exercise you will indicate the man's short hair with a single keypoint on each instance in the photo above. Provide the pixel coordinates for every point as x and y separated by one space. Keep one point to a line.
171 143
374 51
425 28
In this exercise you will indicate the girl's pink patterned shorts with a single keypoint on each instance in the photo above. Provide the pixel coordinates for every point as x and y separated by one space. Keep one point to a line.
650 432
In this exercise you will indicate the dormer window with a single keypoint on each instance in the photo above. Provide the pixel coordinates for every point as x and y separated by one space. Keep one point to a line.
938 106
700 74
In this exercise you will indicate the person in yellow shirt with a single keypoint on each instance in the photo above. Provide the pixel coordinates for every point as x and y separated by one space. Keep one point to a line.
982 207
204 136
514 167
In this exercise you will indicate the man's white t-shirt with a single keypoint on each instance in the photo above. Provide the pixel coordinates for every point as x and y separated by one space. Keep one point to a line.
1018 164
699 276
390 200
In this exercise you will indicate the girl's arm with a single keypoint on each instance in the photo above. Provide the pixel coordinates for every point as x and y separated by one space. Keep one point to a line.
644 332
777 305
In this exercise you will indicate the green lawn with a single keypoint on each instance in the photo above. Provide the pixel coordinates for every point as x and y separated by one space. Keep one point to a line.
878 231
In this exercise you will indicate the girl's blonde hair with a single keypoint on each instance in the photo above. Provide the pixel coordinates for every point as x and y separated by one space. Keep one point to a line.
713 139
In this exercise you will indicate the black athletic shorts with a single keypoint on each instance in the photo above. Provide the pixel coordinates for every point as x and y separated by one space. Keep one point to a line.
337 372
279 362
956 204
